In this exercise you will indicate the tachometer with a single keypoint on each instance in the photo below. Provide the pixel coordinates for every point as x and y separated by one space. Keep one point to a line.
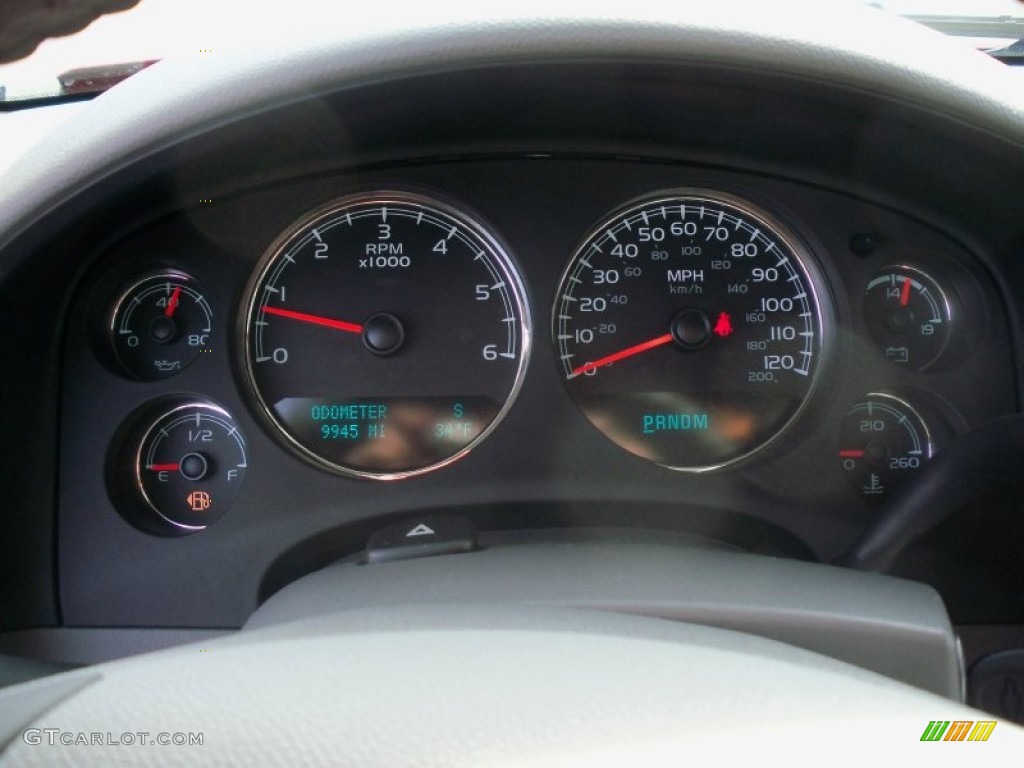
688 328
385 335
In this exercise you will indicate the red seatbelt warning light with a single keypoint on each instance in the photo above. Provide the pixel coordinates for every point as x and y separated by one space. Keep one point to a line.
723 326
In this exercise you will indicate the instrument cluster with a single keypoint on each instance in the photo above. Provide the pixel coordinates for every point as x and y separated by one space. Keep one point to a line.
702 323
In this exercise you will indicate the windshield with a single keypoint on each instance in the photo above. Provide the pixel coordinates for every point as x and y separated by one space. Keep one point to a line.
155 29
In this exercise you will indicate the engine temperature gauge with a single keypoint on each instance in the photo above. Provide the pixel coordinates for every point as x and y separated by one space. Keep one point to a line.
882 441
160 325
909 316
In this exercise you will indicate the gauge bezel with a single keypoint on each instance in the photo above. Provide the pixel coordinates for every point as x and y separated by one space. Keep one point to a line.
900 407
156 424
806 262
118 311
944 301
929 441
483 236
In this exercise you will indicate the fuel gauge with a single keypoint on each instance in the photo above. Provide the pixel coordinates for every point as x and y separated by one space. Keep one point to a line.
909 316
179 467
882 441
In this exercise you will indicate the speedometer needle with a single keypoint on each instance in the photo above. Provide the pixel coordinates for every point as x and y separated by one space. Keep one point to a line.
338 325
636 349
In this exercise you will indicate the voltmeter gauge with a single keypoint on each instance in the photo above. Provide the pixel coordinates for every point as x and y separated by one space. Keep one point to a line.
882 441
909 316
179 468
160 325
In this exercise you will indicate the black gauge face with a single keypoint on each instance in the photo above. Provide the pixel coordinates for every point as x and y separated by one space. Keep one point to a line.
160 325
882 442
688 329
191 464
908 316
177 467
385 335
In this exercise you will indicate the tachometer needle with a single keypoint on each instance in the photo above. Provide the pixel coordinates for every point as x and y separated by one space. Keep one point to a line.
172 303
636 349
338 325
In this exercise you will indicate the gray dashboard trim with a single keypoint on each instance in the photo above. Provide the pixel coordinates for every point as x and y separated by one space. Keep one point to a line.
893 627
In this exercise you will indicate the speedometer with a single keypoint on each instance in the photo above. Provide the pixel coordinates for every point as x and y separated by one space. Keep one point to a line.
385 335
688 328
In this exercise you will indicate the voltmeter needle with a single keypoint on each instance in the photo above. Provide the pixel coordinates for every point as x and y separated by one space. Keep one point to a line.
905 293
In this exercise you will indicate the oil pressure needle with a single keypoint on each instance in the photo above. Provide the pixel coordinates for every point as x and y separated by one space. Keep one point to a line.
172 303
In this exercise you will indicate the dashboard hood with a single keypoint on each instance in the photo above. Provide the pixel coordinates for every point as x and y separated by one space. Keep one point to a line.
849 46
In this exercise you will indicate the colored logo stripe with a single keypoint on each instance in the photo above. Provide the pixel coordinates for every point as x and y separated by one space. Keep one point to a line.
982 730
958 730
935 730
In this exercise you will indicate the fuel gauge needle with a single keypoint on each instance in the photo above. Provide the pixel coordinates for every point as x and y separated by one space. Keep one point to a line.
164 467
338 325
636 349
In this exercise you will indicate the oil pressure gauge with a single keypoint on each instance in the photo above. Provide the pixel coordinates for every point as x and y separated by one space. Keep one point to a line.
160 325
909 316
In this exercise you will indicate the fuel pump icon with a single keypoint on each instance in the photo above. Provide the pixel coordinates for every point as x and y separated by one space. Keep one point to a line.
199 501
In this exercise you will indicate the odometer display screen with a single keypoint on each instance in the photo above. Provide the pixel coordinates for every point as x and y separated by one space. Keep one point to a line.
385 335
688 328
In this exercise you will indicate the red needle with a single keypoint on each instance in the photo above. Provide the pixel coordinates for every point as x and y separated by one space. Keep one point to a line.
339 325
851 454
905 293
172 303
164 467
623 354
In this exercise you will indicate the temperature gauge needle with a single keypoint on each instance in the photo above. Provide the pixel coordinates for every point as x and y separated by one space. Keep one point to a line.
636 349
338 325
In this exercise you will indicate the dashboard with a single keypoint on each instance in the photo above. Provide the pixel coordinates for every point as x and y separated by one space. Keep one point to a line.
716 293
798 485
